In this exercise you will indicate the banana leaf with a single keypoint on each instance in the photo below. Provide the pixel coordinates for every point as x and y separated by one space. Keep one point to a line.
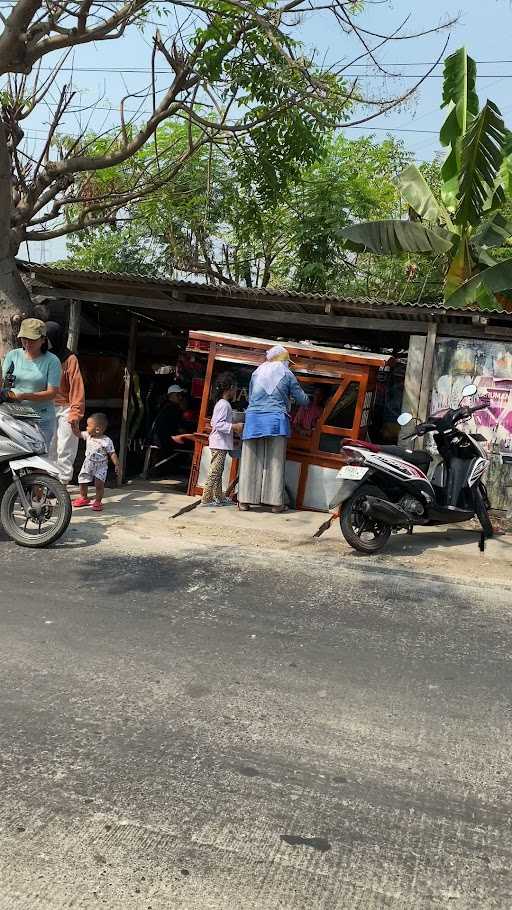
482 156
505 174
389 237
494 232
482 288
459 94
483 258
418 195
461 267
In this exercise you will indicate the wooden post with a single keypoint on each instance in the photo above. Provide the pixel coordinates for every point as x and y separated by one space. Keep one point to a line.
418 378
128 375
75 312
426 373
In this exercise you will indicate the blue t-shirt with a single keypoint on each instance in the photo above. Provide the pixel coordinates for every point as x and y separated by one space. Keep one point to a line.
34 376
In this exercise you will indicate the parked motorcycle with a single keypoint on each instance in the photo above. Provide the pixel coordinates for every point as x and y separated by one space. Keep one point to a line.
388 488
35 508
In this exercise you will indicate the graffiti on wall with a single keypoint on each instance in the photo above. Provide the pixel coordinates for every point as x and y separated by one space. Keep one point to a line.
487 364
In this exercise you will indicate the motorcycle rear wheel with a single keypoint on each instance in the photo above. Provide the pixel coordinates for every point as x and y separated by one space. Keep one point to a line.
52 511
354 523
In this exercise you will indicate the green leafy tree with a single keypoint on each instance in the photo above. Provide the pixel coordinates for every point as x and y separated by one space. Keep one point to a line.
214 222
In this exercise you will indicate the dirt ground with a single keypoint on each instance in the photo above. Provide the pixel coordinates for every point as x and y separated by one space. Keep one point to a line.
143 512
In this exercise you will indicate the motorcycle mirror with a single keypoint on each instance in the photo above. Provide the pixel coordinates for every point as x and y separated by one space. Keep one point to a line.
469 390
404 419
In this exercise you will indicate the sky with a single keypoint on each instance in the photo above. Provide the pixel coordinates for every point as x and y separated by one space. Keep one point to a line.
484 26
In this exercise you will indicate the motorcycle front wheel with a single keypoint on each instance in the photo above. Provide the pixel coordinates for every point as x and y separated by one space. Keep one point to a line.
49 511
481 511
363 533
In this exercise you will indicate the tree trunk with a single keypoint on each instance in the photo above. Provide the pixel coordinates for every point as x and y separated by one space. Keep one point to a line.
14 304
14 297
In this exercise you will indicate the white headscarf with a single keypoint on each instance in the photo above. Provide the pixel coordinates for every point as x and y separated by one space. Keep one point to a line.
269 374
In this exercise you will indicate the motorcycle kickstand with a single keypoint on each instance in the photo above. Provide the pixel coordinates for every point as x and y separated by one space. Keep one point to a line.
409 529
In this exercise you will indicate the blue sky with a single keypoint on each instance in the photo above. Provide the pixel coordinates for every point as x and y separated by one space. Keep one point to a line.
485 27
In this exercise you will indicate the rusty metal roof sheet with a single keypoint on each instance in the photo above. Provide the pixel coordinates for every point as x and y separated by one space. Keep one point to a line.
163 287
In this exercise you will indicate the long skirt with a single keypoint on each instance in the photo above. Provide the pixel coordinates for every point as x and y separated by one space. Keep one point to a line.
262 465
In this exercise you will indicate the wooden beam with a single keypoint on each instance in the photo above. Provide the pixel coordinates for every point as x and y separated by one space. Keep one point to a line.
412 383
187 307
426 373
75 313
248 314
128 376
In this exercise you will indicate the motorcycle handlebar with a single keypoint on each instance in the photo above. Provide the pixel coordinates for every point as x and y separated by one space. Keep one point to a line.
459 414
481 406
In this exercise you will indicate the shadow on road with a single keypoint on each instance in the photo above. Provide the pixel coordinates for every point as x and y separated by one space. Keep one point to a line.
148 574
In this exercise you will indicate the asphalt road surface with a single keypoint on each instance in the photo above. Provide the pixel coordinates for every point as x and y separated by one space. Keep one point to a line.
213 730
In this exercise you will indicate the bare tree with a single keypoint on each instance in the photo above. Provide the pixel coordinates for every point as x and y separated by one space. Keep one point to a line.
234 67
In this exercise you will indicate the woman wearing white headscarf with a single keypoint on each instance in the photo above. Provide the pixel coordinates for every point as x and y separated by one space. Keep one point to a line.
266 431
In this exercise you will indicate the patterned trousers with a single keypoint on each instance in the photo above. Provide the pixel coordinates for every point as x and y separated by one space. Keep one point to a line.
213 485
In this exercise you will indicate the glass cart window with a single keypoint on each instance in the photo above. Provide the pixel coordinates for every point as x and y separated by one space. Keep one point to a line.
344 410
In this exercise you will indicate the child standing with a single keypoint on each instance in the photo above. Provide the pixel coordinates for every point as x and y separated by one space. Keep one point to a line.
94 469
221 440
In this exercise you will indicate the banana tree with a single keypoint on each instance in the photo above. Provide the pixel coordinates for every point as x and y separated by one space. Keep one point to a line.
467 222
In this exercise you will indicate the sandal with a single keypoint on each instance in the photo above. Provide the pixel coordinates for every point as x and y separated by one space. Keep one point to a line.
97 506
80 502
277 510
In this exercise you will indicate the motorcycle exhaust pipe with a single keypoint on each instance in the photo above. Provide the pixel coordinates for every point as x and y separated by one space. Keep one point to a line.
385 511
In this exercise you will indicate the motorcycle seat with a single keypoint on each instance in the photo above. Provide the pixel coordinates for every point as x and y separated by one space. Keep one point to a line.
420 459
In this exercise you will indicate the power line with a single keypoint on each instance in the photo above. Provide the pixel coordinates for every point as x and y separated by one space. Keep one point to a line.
165 72
372 129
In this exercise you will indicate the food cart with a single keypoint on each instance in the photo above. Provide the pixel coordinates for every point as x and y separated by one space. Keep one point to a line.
341 383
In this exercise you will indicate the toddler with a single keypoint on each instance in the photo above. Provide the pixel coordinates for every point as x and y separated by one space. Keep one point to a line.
95 466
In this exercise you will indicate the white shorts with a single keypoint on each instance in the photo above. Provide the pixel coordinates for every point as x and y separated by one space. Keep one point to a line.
91 471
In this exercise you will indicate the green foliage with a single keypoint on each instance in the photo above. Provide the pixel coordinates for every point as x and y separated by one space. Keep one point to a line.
421 198
475 179
482 287
211 218
388 237
459 95
482 157
107 249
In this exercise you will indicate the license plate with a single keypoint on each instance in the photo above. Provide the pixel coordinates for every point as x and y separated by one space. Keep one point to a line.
351 472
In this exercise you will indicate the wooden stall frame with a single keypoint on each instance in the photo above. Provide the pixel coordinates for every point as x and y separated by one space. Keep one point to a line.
312 366
128 379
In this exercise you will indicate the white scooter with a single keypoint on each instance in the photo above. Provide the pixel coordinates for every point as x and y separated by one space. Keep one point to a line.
388 488
35 508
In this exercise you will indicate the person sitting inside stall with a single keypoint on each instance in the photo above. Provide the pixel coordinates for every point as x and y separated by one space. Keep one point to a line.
307 416
170 423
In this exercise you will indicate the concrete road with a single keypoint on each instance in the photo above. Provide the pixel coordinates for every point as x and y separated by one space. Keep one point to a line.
212 728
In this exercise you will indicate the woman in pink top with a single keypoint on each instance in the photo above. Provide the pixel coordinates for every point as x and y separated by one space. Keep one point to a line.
221 439
307 416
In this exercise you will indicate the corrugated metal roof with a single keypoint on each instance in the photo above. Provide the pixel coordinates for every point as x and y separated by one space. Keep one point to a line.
166 286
